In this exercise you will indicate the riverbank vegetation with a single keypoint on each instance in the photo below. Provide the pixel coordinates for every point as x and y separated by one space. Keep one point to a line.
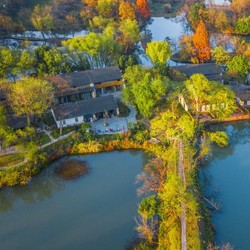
174 135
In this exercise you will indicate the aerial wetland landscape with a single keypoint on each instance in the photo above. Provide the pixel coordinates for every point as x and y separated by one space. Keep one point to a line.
124 124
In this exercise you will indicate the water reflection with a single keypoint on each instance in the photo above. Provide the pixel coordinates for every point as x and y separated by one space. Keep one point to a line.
39 189
92 212
227 180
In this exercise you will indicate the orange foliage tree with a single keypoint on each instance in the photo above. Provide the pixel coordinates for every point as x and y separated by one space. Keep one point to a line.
143 8
127 10
202 43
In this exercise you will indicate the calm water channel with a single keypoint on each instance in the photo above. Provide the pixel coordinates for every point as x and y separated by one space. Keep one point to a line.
93 212
227 179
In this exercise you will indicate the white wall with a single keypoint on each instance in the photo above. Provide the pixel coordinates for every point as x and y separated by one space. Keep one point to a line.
70 122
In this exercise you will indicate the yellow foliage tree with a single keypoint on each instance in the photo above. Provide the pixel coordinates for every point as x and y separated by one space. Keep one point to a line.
127 10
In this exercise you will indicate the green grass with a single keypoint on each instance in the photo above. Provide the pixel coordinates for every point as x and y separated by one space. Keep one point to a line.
43 138
10 160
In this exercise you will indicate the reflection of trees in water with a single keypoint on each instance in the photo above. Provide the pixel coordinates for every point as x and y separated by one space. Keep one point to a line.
38 190
238 132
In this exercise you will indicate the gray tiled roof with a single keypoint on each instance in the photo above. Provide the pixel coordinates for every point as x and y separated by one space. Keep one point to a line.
86 107
93 76
210 70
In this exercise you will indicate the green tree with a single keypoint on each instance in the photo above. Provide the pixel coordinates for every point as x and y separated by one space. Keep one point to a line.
238 67
8 61
242 25
26 63
200 92
129 33
159 53
7 136
56 61
220 55
143 89
101 50
194 14
42 18
30 96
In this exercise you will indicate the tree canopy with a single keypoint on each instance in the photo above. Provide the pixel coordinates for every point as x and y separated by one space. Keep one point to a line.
30 96
144 88
202 43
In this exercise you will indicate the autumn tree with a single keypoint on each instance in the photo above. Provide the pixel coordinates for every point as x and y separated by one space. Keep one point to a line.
187 49
241 7
143 8
42 18
202 43
129 34
30 96
126 10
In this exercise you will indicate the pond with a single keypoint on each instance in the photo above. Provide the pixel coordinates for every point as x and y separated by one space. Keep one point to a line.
227 179
170 29
92 212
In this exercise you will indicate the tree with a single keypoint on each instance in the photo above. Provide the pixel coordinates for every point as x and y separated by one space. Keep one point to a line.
241 7
7 136
200 92
101 50
129 33
194 14
221 21
171 125
220 55
202 43
144 88
26 64
8 60
7 25
105 8
42 19
238 66
158 53
187 49
126 10
242 25
56 61
30 96
143 8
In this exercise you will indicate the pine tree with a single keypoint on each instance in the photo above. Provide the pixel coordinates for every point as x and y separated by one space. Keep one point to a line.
202 43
